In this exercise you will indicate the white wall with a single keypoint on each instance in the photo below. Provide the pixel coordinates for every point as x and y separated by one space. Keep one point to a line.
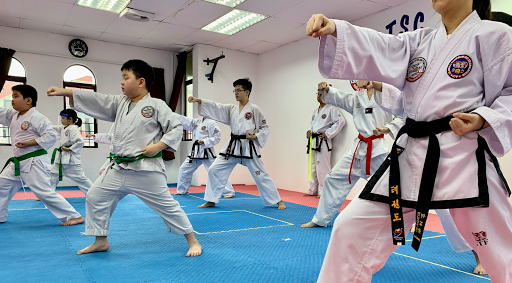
46 56
236 65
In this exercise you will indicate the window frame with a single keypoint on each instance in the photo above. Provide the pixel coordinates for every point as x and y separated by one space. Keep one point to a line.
83 86
17 79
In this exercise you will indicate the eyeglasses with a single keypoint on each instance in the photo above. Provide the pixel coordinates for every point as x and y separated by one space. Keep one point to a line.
238 90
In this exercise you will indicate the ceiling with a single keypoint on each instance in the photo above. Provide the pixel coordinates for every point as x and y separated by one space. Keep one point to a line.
177 23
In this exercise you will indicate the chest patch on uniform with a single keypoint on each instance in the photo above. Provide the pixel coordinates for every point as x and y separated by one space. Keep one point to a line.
67 133
248 116
358 105
148 111
354 86
460 67
324 116
368 111
203 128
24 125
417 66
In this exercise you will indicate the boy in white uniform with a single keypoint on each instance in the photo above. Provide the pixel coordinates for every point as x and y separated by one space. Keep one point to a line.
366 154
207 135
31 134
66 158
325 124
249 132
136 164
456 83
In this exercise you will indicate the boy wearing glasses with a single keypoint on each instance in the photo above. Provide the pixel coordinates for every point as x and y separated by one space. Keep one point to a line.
249 132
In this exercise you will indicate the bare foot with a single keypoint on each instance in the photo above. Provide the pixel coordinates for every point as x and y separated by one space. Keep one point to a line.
97 246
37 199
318 196
195 248
280 205
479 269
309 225
208 204
73 221
229 196
308 195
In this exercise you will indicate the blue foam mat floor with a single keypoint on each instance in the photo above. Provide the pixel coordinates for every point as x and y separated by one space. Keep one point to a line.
243 241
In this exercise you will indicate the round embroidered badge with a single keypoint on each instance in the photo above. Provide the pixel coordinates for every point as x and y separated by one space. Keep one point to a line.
24 125
203 128
148 111
417 66
248 116
354 85
460 67
264 121
324 116
67 133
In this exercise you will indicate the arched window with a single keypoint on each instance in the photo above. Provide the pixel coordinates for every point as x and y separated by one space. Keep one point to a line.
16 76
81 77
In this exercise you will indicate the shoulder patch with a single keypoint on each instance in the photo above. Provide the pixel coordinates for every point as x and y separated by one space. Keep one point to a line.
148 111
248 116
354 85
264 121
417 66
460 67
25 125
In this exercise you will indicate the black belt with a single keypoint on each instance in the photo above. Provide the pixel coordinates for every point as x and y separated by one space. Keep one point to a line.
232 143
193 152
419 130
318 143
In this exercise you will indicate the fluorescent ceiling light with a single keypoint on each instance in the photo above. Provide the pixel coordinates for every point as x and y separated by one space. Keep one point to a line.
230 3
234 22
115 6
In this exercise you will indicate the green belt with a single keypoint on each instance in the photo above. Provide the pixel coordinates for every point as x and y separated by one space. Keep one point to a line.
121 159
59 149
16 160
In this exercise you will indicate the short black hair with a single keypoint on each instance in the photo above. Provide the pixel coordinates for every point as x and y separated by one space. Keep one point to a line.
245 83
27 91
140 69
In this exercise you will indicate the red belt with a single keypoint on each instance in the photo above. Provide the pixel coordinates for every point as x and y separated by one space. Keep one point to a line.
369 141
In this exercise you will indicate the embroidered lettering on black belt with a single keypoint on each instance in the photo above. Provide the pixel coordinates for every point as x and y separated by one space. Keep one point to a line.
318 143
415 130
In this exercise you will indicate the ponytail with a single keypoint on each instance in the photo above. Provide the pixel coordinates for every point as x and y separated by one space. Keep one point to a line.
72 114
483 8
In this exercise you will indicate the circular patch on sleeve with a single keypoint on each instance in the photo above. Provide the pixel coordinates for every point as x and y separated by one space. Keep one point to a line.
203 128
354 86
264 121
460 67
324 116
416 68
25 125
148 111
248 116
67 133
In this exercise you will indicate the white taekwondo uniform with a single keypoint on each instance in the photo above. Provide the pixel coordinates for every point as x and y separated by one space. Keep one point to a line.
239 150
70 137
469 71
360 161
327 120
148 122
207 131
34 171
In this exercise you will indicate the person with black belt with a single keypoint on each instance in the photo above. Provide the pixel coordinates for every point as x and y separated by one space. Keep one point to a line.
456 83
249 132
326 123
207 135
368 150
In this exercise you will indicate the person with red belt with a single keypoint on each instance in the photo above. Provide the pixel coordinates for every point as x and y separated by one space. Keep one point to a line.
365 156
